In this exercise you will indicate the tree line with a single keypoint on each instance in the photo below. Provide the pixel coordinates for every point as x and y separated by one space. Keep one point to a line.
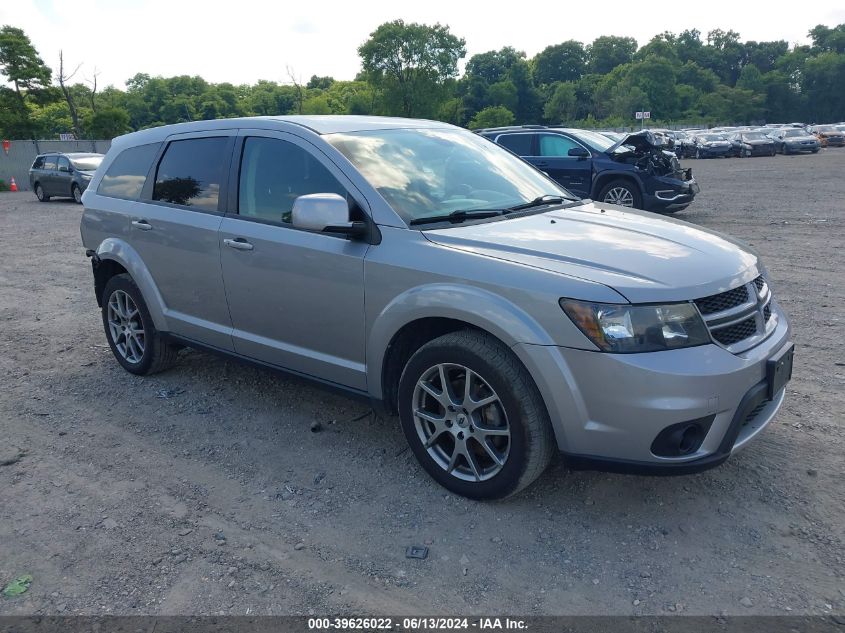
410 69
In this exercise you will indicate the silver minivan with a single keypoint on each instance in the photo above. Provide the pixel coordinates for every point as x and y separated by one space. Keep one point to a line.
438 275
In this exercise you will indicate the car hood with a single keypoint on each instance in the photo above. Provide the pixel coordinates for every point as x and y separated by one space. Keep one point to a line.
643 256
758 141
798 139
641 141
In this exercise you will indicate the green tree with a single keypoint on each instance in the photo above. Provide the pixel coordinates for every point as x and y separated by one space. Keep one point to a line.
562 62
750 78
28 74
823 84
828 40
410 64
609 51
494 116
503 93
107 123
561 106
493 66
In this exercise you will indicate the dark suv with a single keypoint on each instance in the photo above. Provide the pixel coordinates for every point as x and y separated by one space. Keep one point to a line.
63 175
634 172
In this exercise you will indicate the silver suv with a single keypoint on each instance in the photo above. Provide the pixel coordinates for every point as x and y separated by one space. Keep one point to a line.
433 272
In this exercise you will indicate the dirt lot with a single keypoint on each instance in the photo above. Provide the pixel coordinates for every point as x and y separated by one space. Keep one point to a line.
203 490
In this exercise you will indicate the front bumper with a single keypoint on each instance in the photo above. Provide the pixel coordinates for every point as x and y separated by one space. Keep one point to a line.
669 194
710 152
607 409
803 147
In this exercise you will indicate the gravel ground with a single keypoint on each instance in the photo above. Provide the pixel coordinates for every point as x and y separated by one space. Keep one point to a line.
203 490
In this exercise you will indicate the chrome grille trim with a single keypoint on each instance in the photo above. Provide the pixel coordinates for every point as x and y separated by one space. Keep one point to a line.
736 320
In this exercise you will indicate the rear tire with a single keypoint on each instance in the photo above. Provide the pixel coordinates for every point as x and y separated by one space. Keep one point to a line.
39 193
132 337
488 442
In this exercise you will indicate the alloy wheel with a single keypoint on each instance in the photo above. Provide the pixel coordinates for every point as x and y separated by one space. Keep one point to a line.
461 422
77 195
125 326
620 196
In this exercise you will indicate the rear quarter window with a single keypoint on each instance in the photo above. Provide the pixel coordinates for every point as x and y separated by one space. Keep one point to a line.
39 163
127 174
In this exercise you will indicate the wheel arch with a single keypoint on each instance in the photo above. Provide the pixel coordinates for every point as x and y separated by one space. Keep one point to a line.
603 178
114 257
422 314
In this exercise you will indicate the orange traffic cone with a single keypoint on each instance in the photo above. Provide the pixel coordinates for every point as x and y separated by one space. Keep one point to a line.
14 185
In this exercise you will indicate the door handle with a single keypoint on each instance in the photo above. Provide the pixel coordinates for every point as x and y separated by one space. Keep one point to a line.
142 224
238 243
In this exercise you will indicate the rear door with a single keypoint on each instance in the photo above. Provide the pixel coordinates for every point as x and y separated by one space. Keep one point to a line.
573 172
296 297
174 229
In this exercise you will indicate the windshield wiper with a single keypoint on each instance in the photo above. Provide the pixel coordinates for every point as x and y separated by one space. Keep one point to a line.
540 201
459 216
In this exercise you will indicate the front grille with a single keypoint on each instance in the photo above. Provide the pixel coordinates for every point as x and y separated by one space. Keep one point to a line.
723 301
735 333
738 314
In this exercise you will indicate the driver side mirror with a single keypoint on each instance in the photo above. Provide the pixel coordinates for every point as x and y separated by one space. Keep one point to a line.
325 213
578 152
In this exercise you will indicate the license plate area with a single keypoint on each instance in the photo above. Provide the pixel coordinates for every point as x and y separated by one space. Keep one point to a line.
779 370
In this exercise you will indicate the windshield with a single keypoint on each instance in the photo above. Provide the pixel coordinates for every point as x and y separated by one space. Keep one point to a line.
754 136
427 172
791 133
594 139
826 129
711 137
86 163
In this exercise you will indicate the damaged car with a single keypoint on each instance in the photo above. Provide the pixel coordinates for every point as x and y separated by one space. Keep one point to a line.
637 171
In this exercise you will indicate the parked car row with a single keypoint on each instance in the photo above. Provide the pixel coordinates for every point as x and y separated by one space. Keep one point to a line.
631 170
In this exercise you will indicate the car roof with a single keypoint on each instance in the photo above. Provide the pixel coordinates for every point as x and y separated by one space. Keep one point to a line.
317 124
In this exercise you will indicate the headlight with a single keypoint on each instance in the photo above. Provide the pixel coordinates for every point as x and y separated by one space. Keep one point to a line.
626 329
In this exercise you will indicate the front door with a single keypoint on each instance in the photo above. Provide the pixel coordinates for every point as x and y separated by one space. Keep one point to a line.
48 176
573 172
296 297
63 177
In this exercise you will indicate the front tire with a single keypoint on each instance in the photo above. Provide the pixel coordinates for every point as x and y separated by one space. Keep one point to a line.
473 416
621 192
76 194
132 337
39 193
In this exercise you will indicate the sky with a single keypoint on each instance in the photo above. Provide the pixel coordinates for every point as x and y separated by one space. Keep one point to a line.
244 41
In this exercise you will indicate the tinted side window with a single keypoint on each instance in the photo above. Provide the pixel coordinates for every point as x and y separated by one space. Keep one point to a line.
50 162
517 143
63 164
191 171
39 163
126 175
274 173
556 145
